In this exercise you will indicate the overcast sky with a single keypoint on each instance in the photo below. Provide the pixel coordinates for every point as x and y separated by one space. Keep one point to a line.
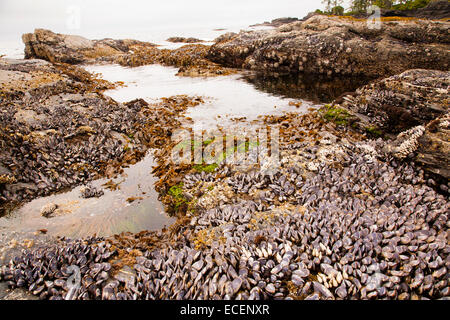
19 16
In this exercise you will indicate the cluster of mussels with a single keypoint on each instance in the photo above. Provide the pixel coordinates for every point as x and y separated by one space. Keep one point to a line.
368 228
67 133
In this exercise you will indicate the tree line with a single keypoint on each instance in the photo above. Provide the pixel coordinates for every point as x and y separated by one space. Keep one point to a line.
360 6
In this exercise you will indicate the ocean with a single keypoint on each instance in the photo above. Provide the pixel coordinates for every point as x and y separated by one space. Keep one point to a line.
152 21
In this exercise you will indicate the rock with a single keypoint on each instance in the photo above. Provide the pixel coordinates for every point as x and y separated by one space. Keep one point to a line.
414 106
48 209
433 148
338 46
91 192
28 117
73 49
401 102
276 22
183 40
56 128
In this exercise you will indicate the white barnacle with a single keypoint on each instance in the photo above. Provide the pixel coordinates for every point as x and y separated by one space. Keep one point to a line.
409 142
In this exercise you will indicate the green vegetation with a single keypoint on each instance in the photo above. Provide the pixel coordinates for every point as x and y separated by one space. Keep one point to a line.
333 7
374 132
176 192
335 114
179 200
208 168
411 4
358 7
209 141
337 11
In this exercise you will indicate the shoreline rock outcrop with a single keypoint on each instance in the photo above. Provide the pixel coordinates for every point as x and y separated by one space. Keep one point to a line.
414 105
400 102
276 22
183 40
338 46
72 49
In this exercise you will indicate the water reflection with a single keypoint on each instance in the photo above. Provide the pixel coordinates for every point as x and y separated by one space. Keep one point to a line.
226 97
314 88
109 214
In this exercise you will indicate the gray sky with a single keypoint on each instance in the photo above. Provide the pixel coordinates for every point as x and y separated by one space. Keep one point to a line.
20 16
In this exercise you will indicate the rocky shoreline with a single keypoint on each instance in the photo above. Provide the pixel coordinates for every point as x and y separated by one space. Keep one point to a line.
59 130
338 46
183 40
191 59
357 207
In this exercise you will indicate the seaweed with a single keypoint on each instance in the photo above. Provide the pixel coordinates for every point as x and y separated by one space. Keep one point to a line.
335 114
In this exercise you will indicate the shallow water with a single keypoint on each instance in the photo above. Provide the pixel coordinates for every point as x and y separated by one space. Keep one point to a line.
107 215
314 88
226 97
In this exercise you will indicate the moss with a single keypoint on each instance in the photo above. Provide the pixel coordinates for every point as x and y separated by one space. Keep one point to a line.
335 114
208 168
176 192
208 142
374 132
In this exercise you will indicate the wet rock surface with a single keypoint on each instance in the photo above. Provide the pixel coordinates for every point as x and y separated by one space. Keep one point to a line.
338 45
